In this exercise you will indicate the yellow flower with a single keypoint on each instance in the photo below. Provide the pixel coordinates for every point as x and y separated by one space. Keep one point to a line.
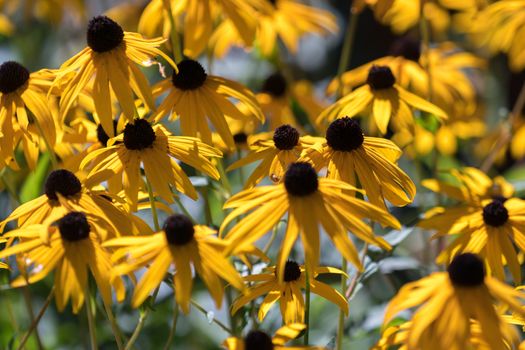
22 98
110 59
197 97
257 339
157 150
287 20
6 27
351 157
182 244
449 301
288 292
71 248
242 130
275 155
64 193
52 11
489 228
309 202
382 98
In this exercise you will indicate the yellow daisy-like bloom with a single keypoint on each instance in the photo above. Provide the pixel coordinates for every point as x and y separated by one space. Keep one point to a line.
257 339
397 336
472 185
498 27
64 193
275 155
184 245
350 157
71 248
196 98
309 202
288 292
287 20
449 301
383 99
158 151
110 58
23 97
199 18
489 228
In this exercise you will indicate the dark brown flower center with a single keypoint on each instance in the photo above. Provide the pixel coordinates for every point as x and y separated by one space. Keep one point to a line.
380 77
61 181
301 179
275 85
466 270
344 134
74 226
102 137
240 138
104 34
495 214
139 135
178 229
191 75
406 47
12 76
292 271
258 340
285 137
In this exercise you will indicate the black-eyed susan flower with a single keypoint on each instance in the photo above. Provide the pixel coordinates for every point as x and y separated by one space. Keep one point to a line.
71 248
182 244
490 228
198 99
449 301
63 193
285 147
23 99
352 157
259 340
110 60
382 99
157 151
289 291
309 202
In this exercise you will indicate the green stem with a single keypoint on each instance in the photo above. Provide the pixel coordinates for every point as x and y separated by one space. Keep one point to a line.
90 318
153 205
307 306
174 36
348 46
114 325
214 320
140 323
224 179
341 324
241 169
173 326
29 305
183 209
53 157
37 319
207 208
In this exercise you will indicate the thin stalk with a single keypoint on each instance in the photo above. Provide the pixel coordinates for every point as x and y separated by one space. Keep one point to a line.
214 320
153 206
173 326
91 320
231 318
341 323
241 170
174 36
307 306
37 319
9 187
207 208
224 179
140 323
355 279
29 305
183 209
114 326
348 45
52 155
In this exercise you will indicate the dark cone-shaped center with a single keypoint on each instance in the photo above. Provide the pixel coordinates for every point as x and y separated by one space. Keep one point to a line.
240 138
300 179
495 214
12 76
466 270
74 226
101 133
191 75
178 229
406 47
380 77
62 181
275 85
285 137
139 135
104 34
292 271
258 340
344 134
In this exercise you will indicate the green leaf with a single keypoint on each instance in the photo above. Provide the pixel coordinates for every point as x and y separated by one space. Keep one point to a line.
34 182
